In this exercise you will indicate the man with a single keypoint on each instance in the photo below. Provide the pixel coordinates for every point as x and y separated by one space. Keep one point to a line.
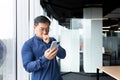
36 55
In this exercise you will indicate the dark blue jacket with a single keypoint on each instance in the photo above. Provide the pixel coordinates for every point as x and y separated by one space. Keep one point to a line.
34 60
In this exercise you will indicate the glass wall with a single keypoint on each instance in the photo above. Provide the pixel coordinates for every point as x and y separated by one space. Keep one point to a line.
8 40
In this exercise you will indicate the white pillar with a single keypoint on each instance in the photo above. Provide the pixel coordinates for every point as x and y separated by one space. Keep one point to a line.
27 10
22 35
92 56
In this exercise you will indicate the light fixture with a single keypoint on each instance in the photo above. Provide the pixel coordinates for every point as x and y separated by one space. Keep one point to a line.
105 30
117 31
106 27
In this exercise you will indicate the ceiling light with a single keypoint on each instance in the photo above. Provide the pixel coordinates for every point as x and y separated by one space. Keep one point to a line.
106 27
105 30
105 18
117 31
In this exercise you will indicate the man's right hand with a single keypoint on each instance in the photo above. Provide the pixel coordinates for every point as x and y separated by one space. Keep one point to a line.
46 38
50 54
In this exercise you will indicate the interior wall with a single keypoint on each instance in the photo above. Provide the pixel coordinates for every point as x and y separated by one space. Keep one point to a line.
70 41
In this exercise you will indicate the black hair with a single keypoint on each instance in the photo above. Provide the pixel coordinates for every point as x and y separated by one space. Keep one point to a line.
41 19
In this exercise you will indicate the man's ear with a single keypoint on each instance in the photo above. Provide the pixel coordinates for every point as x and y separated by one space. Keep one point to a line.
34 27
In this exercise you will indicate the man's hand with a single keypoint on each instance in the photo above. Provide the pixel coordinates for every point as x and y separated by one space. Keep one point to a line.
50 54
46 38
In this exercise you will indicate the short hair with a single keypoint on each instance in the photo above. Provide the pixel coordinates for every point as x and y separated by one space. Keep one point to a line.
41 19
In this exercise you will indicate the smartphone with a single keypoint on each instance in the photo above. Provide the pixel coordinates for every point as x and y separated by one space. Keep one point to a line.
54 44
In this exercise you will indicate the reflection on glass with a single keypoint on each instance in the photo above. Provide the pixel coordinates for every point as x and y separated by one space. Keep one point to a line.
7 40
2 52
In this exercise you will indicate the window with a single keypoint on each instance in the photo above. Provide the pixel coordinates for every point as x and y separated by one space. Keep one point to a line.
7 40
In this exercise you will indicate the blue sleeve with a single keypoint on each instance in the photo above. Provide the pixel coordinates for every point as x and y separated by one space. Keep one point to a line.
29 63
61 52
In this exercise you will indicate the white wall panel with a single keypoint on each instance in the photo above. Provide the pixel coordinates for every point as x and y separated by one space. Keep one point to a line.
70 41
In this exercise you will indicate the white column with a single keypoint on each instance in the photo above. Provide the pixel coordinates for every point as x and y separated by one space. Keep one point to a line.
92 56
22 35
27 10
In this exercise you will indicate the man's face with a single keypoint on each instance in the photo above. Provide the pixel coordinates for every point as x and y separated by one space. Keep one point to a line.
41 29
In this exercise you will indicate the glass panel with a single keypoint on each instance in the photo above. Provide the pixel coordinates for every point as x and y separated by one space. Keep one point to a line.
7 40
70 41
